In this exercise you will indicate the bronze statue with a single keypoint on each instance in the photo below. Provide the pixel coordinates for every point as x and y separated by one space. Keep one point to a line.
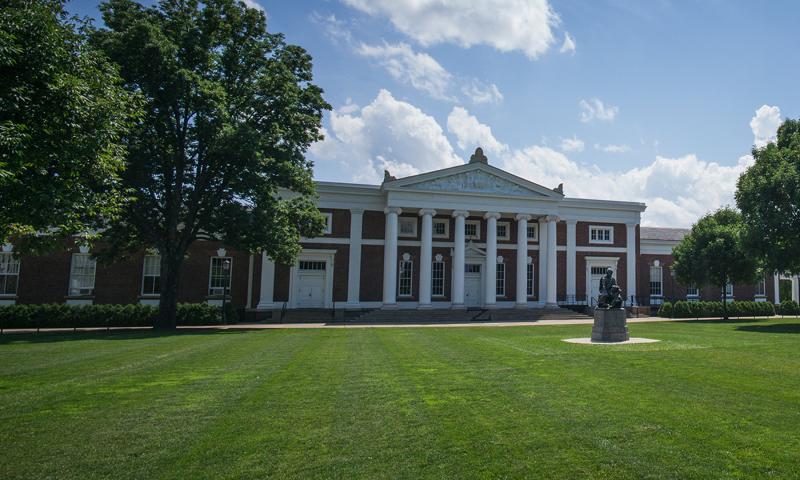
610 293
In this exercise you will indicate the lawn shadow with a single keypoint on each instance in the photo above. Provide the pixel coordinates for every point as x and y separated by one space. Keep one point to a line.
775 328
10 337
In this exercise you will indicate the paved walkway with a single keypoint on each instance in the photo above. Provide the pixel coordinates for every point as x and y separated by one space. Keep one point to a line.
270 326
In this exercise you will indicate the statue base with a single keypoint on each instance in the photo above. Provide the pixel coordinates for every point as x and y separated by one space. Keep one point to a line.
610 325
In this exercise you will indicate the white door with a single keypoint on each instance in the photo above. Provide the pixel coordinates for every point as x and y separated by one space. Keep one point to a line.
310 289
472 285
594 283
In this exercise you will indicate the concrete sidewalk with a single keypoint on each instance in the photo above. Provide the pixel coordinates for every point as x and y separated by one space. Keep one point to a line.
272 326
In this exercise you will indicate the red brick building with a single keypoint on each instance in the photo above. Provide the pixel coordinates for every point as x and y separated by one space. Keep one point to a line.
516 244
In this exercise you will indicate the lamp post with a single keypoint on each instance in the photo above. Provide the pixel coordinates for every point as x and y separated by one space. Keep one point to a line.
226 268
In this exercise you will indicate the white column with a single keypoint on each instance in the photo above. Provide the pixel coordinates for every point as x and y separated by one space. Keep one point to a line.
426 258
571 262
458 260
552 286
354 265
490 295
796 289
390 258
630 264
265 298
522 260
542 259
776 285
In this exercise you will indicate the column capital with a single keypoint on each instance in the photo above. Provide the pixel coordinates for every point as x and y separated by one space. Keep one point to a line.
522 216
460 213
489 215
571 221
551 218
396 210
427 211
356 211
631 224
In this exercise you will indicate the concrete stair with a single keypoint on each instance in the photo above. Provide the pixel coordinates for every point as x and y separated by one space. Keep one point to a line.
464 316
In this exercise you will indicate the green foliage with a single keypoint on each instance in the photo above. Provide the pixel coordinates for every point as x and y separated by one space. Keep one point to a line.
789 307
686 309
768 194
63 113
714 252
83 316
220 153
665 310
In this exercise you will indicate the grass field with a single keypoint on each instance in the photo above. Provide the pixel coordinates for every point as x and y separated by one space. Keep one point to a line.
712 400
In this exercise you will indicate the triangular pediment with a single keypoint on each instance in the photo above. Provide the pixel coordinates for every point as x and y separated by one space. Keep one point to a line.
473 178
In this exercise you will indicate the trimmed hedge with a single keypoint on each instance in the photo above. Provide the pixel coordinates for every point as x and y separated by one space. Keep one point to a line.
788 307
684 309
81 316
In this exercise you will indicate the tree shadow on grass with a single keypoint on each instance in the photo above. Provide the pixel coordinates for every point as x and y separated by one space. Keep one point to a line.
65 336
774 328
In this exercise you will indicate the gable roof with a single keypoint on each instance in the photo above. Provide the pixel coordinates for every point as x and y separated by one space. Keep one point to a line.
664 234
473 177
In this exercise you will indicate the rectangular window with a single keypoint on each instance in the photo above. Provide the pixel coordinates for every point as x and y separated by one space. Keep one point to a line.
503 231
310 265
656 285
530 280
692 291
437 279
440 228
599 270
729 290
9 273
500 285
220 277
472 230
151 276
533 231
407 226
601 234
406 275
472 268
328 222
81 274
761 287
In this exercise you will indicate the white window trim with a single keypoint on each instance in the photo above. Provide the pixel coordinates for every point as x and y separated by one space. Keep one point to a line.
7 251
71 273
602 227
400 276
500 295
535 236
328 223
211 270
729 296
446 224
507 236
412 221
444 281
692 296
477 224
660 281
144 265
757 295
532 280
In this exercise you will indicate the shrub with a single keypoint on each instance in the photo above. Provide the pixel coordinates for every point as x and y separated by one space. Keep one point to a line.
789 307
685 309
665 310
82 316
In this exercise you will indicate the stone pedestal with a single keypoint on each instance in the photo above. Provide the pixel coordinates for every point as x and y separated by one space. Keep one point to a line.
610 325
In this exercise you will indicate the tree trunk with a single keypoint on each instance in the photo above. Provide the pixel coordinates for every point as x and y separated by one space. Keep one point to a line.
168 305
725 302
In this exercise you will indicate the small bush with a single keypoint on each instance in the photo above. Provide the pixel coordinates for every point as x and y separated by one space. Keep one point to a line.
83 316
789 307
685 309
665 310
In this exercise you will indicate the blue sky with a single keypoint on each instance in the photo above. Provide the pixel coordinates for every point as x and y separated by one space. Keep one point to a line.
656 101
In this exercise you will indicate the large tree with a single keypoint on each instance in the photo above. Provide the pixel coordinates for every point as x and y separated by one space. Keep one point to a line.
768 194
230 111
63 113
714 253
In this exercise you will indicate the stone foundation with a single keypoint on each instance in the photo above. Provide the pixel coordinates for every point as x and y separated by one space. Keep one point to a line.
610 325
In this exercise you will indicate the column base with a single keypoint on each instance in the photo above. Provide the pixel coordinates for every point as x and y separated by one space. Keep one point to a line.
551 305
389 306
521 305
458 306
269 306
424 306
490 306
352 306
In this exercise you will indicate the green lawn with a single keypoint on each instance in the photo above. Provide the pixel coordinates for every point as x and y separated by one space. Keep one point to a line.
711 400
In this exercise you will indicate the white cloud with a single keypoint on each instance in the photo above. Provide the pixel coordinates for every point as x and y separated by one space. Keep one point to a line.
479 92
764 125
420 70
335 28
596 109
470 133
569 44
253 4
507 25
386 134
573 144
611 148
